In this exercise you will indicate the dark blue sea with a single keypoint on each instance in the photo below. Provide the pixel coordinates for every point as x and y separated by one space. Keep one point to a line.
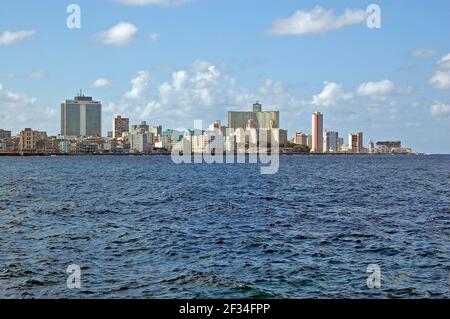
143 227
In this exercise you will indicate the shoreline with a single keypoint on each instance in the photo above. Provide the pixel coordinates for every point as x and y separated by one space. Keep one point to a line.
17 154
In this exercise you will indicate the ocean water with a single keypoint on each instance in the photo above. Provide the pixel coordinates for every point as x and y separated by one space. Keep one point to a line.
142 227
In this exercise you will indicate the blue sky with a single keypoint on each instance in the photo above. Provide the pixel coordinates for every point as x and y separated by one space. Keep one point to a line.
173 63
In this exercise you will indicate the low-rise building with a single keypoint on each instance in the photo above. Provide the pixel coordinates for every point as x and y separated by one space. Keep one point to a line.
300 138
32 141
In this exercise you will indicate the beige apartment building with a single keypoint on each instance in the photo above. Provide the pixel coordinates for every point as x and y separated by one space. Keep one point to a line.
31 141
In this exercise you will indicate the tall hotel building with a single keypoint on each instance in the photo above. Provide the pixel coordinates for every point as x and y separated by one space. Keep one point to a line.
81 117
317 133
120 125
260 119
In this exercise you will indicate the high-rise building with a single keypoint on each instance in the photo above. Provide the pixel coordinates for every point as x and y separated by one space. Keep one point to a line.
260 119
355 142
139 140
331 142
120 126
81 117
317 133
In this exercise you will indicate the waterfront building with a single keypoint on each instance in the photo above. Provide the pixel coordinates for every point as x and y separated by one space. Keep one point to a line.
355 142
64 147
259 119
81 116
139 140
390 144
32 141
301 138
120 126
317 133
331 142
86 147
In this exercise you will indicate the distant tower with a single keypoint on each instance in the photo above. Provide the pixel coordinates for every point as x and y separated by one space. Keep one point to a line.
257 107
317 133
81 116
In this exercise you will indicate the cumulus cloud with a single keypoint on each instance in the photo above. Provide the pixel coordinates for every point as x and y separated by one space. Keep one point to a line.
316 21
331 94
201 90
377 89
139 84
441 78
19 111
423 53
101 83
8 37
440 110
120 35
152 2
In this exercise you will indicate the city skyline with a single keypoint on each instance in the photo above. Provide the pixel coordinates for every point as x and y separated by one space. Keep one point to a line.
81 117
174 73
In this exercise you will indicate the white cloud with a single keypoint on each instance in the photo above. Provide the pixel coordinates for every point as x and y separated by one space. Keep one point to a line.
316 21
139 85
120 35
440 110
199 91
101 83
154 37
331 94
8 37
441 78
423 53
18 111
381 88
444 63
152 2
